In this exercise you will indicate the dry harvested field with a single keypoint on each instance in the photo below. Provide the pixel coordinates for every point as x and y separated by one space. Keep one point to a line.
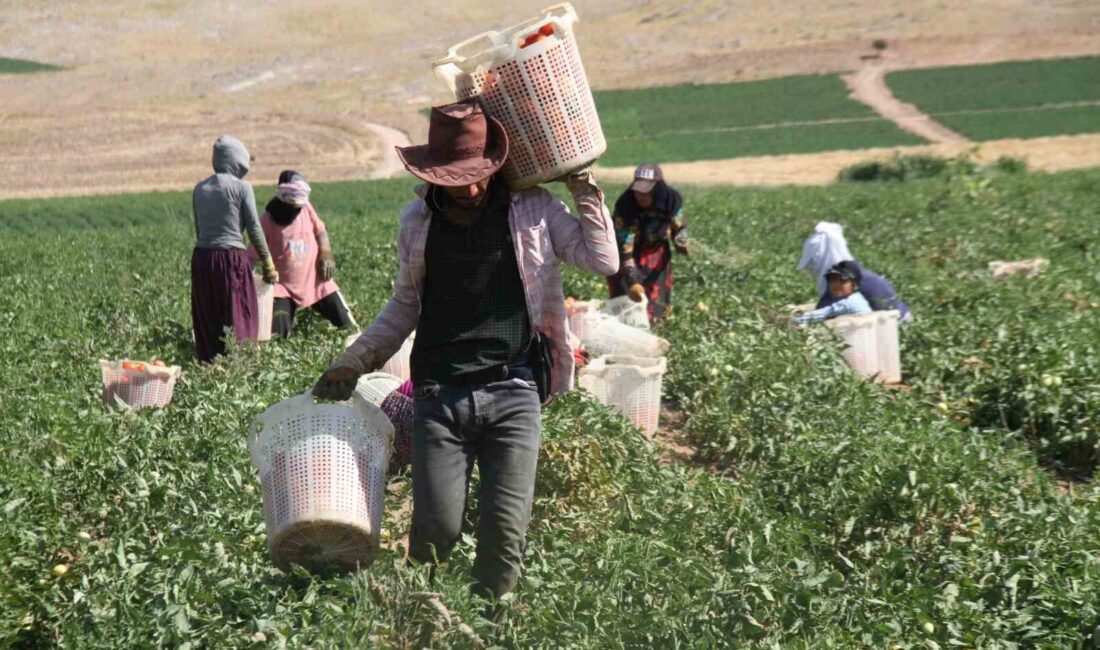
150 84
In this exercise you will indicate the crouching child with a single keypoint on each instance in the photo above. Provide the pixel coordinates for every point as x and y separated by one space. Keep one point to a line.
843 280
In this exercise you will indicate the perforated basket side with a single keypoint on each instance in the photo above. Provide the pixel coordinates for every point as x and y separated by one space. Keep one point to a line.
376 386
889 353
541 96
575 314
399 364
153 387
861 345
265 307
629 385
322 471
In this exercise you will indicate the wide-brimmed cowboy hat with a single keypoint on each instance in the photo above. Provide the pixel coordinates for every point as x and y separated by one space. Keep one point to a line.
464 146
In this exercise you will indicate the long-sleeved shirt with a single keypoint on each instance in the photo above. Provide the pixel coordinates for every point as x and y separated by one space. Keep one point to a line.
224 204
853 304
543 232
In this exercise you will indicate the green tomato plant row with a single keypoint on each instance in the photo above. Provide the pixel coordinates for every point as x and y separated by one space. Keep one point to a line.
821 511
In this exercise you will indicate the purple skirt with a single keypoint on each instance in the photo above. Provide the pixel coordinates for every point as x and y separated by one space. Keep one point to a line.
223 295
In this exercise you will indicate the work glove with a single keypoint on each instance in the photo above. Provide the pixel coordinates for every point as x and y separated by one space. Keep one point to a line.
580 181
326 263
338 382
271 276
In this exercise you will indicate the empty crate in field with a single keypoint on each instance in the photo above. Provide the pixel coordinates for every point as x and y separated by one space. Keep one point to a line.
871 344
530 77
629 385
265 307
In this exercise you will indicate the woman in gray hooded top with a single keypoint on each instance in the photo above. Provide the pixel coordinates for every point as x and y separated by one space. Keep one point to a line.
222 290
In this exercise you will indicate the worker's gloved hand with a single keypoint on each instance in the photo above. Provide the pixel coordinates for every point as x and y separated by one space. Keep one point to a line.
339 380
337 383
271 276
326 263
580 181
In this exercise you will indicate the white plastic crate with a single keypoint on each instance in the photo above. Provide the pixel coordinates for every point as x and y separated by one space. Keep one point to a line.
871 344
152 386
860 344
575 311
886 340
376 386
398 364
608 335
634 314
322 469
539 92
265 307
630 385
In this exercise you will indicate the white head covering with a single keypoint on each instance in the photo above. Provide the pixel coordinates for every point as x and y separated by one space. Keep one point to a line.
822 250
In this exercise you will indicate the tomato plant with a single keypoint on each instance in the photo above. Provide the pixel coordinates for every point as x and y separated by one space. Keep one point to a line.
830 512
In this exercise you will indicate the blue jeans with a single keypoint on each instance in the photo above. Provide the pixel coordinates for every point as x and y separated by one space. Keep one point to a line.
498 425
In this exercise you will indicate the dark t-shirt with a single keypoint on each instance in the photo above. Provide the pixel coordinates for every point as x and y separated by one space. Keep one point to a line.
474 310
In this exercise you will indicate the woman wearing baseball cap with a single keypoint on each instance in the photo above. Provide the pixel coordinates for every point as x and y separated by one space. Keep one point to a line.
648 225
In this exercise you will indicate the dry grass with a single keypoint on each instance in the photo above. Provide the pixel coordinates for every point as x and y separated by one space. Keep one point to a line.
139 109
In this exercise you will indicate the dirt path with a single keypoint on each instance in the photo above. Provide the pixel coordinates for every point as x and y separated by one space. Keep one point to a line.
387 164
868 85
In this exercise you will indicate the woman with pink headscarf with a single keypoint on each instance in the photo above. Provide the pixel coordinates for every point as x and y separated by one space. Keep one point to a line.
302 253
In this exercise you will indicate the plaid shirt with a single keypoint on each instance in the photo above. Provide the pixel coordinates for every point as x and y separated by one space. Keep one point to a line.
544 232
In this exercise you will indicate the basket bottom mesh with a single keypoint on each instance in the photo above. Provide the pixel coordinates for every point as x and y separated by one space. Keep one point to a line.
322 546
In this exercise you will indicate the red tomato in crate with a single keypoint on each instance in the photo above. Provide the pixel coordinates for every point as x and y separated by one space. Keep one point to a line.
129 365
547 29
531 39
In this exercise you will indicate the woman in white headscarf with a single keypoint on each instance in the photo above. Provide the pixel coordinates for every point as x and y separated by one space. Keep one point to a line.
825 248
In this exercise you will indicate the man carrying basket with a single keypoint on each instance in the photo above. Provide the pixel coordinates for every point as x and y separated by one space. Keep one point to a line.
479 281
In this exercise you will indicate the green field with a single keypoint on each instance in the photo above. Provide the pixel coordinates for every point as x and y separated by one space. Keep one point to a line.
19 66
1006 100
1025 123
704 122
828 512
